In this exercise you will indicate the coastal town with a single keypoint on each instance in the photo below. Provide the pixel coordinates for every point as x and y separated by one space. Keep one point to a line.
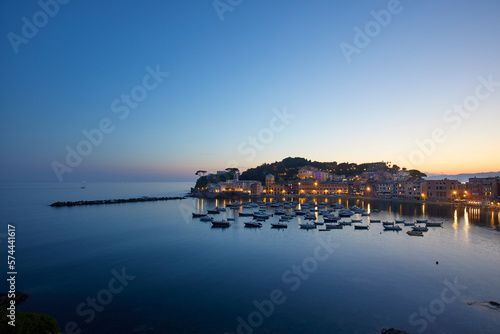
378 180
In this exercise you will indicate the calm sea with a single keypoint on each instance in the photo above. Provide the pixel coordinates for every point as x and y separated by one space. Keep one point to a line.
151 268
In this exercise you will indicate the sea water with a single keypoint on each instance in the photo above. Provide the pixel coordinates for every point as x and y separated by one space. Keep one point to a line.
150 267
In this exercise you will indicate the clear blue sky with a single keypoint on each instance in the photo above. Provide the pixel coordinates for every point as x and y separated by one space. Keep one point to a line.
228 78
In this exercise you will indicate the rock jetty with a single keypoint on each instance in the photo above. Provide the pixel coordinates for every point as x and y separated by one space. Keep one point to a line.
115 201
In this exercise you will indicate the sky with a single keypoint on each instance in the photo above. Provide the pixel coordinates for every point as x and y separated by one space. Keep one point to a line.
156 90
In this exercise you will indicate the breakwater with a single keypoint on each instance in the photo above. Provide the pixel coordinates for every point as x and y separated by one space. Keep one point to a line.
115 201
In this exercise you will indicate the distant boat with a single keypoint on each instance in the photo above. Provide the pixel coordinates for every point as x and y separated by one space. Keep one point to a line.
434 224
420 228
279 225
388 223
364 214
334 226
328 219
400 221
214 211
345 222
374 220
356 220
279 212
375 210
246 214
307 225
415 233
221 223
220 208
409 224
392 228
318 223
300 212
199 215
231 219
345 213
206 219
310 216
422 221
361 227
253 224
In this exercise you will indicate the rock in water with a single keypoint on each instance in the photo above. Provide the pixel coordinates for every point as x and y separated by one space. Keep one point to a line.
392 331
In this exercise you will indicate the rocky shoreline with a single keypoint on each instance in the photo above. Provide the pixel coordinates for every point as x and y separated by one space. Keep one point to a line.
114 201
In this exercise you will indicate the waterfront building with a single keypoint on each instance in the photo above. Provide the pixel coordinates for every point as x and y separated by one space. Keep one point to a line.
441 190
483 189
413 188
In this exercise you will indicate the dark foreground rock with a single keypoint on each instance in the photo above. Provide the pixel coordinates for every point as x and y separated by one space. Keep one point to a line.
25 322
115 201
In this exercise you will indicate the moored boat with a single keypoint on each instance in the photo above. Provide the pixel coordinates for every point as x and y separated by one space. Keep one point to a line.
361 227
214 211
220 223
433 224
307 225
374 220
253 224
415 233
334 226
392 228
206 219
420 228
279 225
388 224
199 215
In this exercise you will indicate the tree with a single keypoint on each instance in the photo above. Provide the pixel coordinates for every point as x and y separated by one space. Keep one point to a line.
202 172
